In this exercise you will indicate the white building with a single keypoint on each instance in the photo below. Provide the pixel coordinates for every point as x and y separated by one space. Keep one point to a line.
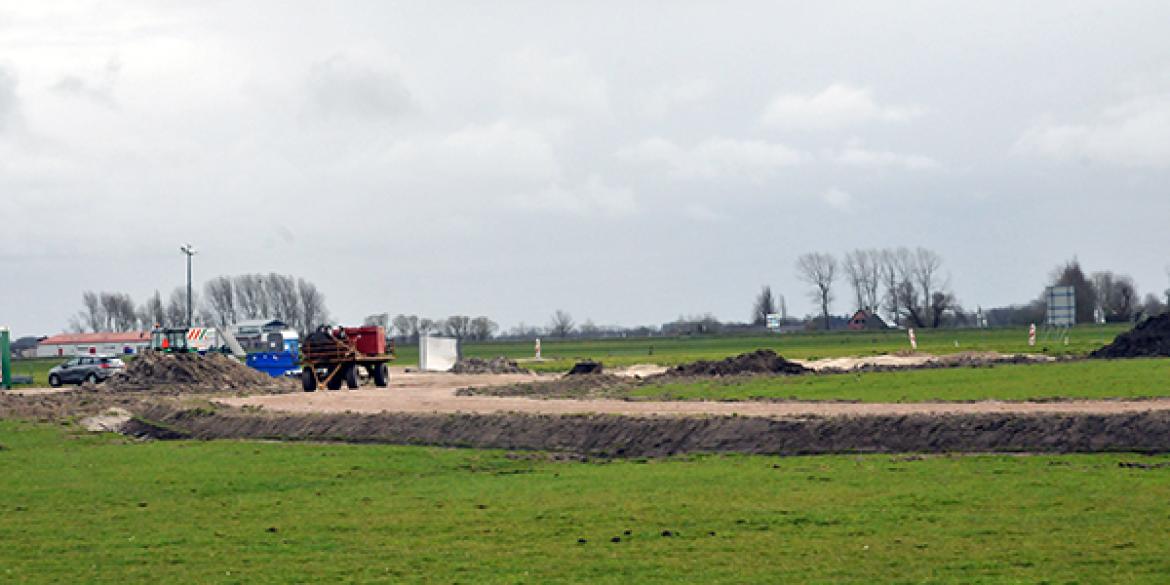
71 344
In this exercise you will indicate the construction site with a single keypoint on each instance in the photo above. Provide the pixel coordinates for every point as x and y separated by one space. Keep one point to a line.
347 392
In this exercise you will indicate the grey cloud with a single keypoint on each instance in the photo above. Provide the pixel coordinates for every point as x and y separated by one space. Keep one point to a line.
9 103
342 87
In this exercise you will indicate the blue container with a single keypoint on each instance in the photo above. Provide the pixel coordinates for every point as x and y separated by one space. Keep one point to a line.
275 363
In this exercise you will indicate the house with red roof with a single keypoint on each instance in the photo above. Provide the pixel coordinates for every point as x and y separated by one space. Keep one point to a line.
71 344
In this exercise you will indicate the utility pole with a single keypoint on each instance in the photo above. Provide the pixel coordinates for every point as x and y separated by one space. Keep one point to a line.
189 251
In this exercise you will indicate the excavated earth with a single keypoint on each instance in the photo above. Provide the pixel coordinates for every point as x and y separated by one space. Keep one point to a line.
158 400
1151 338
190 373
496 365
763 361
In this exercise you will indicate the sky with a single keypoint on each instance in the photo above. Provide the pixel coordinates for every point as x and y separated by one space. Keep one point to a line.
627 162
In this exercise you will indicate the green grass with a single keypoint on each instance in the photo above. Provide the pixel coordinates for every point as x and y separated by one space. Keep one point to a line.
99 509
1138 378
562 354
676 350
37 368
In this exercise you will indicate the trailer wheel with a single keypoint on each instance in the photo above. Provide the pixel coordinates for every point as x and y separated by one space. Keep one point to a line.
351 376
308 379
336 378
381 374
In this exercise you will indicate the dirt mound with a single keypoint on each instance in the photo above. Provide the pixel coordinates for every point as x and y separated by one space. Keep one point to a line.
497 365
579 387
586 367
761 361
1151 338
623 436
213 370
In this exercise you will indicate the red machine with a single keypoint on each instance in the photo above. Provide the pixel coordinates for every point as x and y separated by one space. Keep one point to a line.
332 356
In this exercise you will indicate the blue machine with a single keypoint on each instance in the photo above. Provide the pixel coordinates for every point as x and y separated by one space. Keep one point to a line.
277 364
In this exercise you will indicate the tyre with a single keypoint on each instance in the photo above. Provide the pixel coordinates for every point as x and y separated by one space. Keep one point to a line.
308 379
54 380
381 375
335 380
92 379
351 377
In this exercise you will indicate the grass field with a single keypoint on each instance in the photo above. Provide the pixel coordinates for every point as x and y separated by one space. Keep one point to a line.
1138 378
562 354
676 350
101 509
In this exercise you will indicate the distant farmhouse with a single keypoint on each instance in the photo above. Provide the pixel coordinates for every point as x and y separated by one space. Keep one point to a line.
864 320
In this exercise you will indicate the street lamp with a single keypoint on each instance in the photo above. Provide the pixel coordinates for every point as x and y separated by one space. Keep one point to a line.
189 251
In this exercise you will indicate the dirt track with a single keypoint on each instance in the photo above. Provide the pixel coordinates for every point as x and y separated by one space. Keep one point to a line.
419 393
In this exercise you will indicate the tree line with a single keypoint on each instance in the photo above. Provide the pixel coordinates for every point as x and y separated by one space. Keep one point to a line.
905 284
225 300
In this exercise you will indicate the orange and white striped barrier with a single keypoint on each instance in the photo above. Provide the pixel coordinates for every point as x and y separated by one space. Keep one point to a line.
1032 335
913 339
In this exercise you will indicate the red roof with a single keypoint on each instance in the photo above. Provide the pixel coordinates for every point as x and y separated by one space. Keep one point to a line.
96 338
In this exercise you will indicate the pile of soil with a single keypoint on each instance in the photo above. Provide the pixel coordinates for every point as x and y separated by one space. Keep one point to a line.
497 365
214 371
762 361
586 367
1151 338
579 387
627 436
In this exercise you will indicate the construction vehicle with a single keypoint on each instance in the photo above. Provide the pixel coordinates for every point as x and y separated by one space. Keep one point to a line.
194 340
331 357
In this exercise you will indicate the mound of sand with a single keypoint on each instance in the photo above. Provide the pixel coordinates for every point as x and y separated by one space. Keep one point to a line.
497 365
762 361
213 370
1150 338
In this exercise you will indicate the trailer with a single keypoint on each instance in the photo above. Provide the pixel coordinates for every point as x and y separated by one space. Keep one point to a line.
331 357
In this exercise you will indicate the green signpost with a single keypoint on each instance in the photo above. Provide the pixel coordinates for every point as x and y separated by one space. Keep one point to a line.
5 360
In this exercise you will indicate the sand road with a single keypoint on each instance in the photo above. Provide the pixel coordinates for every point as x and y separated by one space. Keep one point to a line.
435 393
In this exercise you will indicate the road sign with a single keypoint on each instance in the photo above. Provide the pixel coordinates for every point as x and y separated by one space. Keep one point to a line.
772 321
1062 306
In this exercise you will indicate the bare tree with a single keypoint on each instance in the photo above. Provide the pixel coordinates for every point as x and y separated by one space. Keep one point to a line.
152 313
483 328
926 264
428 326
175 311
906 295
312 311
819 270
378 320
125 318
407 327
894 271
561 324
764 306
283 300
109 309
221 300
783 306
251 298
856 271
92 315
457 326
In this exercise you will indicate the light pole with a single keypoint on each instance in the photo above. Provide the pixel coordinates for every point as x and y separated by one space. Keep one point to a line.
189 251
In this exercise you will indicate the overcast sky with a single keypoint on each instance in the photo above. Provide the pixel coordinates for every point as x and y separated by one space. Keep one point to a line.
627 162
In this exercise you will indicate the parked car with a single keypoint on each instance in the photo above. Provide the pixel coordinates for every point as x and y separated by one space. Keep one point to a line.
89 368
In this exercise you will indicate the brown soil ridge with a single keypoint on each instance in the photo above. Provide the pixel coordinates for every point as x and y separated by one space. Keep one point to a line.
624 436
